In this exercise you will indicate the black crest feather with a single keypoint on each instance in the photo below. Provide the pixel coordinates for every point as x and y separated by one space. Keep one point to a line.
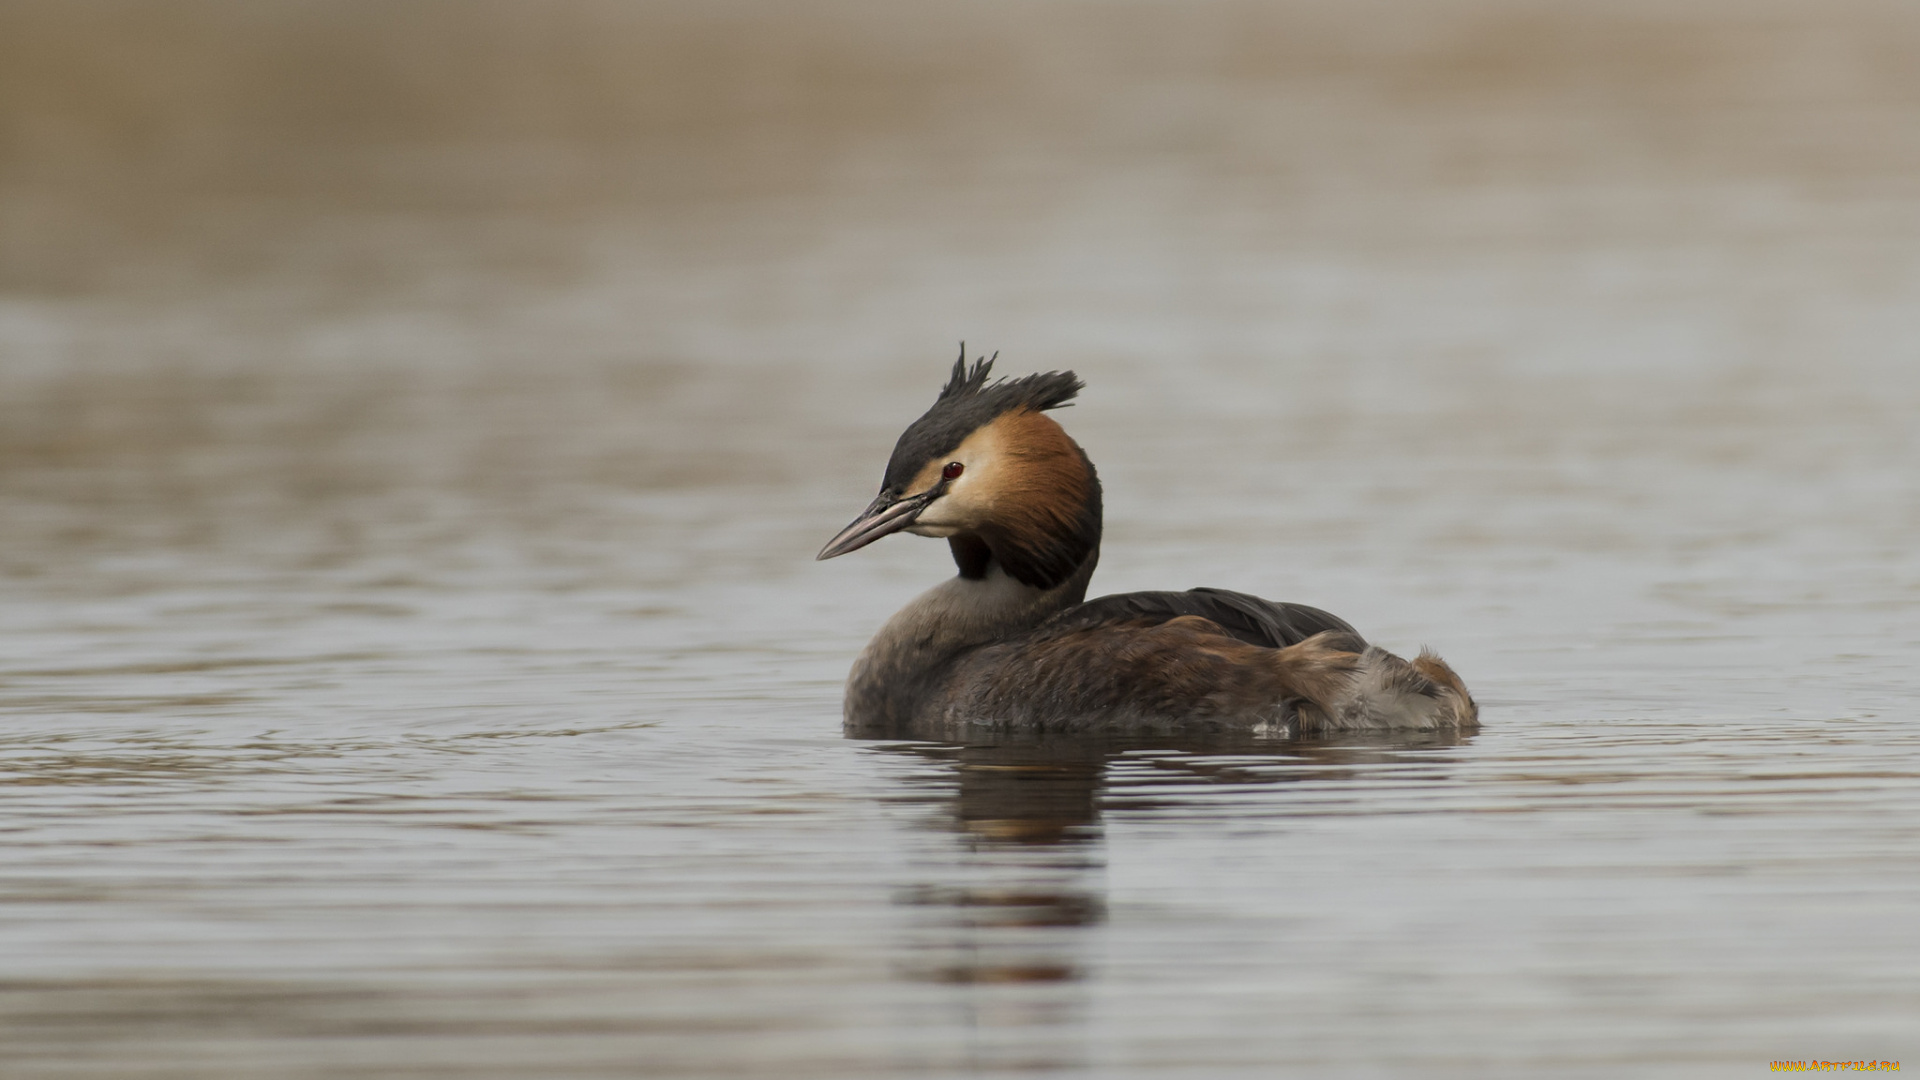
1048 390
964 381
967 402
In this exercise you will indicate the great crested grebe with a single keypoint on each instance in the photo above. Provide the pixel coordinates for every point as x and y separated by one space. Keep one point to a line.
1012 643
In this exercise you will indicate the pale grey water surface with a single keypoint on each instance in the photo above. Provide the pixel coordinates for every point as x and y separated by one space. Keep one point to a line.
417 423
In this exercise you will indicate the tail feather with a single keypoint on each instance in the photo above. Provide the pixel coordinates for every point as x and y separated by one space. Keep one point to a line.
1385 692
1319 672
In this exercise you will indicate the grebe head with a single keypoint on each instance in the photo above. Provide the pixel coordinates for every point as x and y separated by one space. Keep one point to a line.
987 470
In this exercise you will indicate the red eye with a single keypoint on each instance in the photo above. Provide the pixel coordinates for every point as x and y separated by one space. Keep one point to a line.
952 471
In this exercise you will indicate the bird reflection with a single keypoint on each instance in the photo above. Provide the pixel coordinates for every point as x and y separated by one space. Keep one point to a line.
1052 791
1027 881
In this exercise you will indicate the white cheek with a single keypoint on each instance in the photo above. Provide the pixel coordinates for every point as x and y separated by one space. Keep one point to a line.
940 519
949 514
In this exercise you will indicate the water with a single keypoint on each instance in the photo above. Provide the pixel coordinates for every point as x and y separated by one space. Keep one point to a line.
414 663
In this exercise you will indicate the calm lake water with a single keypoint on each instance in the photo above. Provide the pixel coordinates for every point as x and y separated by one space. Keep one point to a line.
413 663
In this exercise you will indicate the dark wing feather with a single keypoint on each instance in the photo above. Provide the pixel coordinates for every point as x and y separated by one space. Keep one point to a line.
1248 618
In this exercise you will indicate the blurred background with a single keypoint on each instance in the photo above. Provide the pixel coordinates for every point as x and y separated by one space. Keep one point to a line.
253 253
417 418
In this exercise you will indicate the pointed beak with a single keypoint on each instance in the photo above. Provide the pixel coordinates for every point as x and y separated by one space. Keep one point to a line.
886 515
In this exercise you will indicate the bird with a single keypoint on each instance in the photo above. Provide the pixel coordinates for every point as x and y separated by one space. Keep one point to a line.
1011 643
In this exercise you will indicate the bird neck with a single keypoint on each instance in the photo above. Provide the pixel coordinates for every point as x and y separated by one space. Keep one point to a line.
912 654
962 612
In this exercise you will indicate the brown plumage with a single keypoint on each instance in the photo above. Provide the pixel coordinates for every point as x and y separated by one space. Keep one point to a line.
1011 643
1139 673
